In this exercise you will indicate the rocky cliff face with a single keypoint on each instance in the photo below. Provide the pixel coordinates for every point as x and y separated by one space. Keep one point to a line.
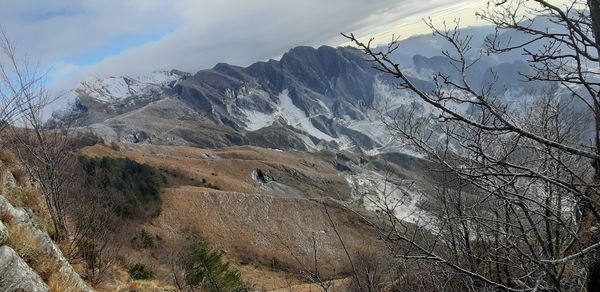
311 99
16 274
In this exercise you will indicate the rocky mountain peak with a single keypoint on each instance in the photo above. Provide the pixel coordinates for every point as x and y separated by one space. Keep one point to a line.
310 99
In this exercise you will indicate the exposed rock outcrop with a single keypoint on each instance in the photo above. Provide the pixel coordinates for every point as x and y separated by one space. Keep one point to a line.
19 217
16 275
3 233
8 180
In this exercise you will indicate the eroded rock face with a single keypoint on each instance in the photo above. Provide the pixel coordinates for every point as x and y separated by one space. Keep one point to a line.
16 275
308 100
8 180
3 233
20 217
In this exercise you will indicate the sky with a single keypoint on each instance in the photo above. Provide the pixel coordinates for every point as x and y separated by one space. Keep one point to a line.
79 39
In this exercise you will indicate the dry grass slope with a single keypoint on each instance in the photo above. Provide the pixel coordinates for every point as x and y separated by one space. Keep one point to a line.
266 232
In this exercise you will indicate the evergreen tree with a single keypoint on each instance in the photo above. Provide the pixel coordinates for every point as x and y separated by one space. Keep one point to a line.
205 269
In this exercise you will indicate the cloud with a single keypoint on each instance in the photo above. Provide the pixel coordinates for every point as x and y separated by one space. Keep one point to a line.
55 30
192 34
228 31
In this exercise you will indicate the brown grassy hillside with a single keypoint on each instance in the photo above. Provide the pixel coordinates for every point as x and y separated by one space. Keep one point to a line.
268 227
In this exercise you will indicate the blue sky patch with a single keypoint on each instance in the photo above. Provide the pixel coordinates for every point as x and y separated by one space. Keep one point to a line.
115 46
46 15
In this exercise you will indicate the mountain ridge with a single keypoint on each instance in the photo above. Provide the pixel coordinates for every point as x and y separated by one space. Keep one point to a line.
310 99
320 88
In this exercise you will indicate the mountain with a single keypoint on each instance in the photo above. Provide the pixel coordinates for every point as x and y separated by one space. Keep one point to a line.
323 104
310 99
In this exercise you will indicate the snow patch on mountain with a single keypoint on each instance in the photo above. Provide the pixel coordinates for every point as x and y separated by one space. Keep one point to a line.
378 193
245 92
61 106
114 89
296 117
159 77
388 98
257 120
288 111
107 89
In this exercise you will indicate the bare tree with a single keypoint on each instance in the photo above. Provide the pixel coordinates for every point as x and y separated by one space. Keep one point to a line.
518 210
94 241
45 154
18 80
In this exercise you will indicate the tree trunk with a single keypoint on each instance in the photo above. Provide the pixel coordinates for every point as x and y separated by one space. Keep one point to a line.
593 283
594 6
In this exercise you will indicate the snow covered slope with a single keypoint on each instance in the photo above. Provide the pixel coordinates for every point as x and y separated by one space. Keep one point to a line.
114 89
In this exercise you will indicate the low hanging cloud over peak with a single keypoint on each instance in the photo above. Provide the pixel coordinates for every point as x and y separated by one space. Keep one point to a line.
84 38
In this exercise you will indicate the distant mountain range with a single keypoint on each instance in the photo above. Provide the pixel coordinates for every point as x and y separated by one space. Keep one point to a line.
310 99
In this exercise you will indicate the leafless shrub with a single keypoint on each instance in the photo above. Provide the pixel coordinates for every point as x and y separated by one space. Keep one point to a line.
95 241
521 199
44 154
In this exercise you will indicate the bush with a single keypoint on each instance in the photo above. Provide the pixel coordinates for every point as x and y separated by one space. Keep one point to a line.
95 240
30 198
135 186
25 243
145 239
8 157
141 272
10 161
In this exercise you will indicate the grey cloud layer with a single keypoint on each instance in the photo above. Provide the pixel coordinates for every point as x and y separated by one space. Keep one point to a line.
53 30
237 32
